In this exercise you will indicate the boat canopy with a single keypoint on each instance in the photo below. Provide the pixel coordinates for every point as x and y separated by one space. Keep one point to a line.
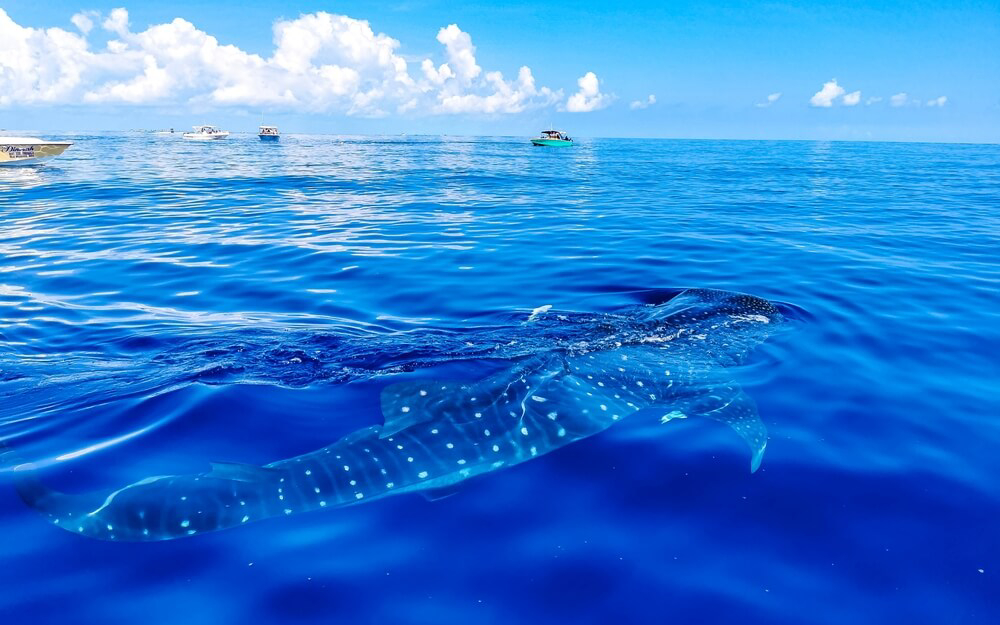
555 134
268 130
206 129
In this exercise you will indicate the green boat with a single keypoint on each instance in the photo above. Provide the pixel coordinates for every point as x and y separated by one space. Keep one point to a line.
553 138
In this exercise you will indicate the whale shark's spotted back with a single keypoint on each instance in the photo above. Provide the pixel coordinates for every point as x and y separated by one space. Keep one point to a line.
665 358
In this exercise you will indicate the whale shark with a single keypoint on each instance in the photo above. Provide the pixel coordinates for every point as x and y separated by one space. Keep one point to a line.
652 363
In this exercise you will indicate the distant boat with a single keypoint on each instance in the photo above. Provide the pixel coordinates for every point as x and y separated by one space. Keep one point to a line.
206 133
553 138
268 133
28 150
164 132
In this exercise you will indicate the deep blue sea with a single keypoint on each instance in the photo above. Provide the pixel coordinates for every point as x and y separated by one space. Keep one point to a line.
165 304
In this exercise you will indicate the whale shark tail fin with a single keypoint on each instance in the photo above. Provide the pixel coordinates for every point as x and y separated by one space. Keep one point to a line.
25 477
31 489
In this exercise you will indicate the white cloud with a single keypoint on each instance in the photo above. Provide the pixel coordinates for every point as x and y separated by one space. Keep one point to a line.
117 22
461 90
589 97
643 104
824 97
771 99
851 99
320 62
938 101
84 21
873 100
461 53
900 99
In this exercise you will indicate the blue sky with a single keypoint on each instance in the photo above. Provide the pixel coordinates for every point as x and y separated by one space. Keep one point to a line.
709 65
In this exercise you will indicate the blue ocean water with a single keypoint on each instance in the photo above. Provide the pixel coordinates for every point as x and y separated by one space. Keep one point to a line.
164 304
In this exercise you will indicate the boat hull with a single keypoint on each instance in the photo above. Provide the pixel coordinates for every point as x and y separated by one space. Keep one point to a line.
14 154
552 143
191 136
269 137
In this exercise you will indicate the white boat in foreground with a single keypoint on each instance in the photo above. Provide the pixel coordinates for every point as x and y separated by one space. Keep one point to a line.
28 150
206 133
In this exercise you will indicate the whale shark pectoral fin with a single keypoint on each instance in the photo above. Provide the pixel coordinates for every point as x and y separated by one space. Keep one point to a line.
415 401
734 408
434 494
362 434
240 472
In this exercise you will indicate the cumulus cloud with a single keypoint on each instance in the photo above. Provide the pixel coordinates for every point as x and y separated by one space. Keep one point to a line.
900 99
771 99
84 21
320 62
938 101
643 104
589 97
824 97
851 99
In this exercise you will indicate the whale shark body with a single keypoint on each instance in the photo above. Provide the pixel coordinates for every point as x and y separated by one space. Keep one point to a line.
654 362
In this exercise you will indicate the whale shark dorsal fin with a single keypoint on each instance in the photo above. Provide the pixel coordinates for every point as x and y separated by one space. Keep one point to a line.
730 405
415 401
240 472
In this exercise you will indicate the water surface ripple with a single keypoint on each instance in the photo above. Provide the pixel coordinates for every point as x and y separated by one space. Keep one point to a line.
164 304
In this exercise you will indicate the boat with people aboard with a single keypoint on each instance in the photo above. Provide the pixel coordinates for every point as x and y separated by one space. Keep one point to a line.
553 138
268 133
206 132
28 150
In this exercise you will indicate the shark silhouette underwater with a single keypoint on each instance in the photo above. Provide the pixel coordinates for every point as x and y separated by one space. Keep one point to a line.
653 362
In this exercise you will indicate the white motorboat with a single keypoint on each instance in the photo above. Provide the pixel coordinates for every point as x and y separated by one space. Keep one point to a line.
206 133
268 133
28 150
